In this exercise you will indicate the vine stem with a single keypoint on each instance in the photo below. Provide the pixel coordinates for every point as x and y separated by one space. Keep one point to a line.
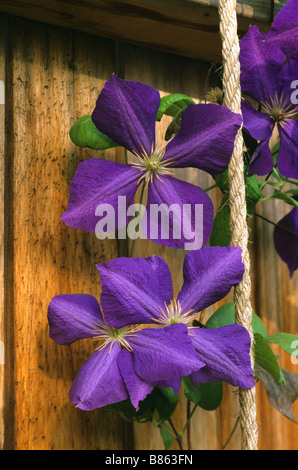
178 436
276 225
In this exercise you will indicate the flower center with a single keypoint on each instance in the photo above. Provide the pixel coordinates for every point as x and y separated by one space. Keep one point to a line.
172 313
280 109
108 335
152 165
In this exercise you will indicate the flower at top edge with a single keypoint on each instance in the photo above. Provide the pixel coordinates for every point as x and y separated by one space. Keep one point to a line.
126 112
267 77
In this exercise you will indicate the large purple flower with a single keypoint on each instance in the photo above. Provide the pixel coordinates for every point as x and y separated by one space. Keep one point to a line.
284 31
126 112
127 362
142 288
267 76
285 240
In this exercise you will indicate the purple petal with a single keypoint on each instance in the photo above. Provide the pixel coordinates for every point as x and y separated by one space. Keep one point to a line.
100 182
164 277
137 388
99 382
258 125
287 160
260 65
225 351
131 291
72 317
209 274
286 244
289 81
179 214
126 112
174 384
206 138
162 354
261 162
284 31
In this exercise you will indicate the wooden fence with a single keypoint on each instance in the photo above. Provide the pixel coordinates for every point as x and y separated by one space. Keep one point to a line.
52 77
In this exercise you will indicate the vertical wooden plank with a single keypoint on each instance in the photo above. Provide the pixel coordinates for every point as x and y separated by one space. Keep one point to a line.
50 258
2 170
276 302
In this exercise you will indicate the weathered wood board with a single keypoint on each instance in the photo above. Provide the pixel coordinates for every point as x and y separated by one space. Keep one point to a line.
186 27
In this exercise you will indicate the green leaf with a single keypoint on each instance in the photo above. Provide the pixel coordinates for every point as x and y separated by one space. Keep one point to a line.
222 180
166 435
221 234
252 192
208 395
172 104
225 315
283 196
265 357
287 341
155 408
83 133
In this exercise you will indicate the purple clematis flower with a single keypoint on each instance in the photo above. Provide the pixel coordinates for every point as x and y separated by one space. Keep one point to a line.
142 288
266 76
286 243
284 31
128 362
126 112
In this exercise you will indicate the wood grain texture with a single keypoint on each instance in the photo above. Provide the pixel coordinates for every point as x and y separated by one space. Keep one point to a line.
2 178
186 27
54 77
47 258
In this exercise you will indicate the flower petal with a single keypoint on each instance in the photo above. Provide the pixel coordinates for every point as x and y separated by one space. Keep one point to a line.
99 182
179 214
261 162
286 244
131 291
162 354
99 381
287 160
225 351
209 274
258 125
126 112
164 277
284 31
72 317
205 139
260 65
137 388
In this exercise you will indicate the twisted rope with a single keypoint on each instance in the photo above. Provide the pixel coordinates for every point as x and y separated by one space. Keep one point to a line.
238 224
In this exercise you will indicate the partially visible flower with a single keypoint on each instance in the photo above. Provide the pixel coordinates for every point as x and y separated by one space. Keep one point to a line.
126 112
284 31
266 76
128 362
286 243
142 288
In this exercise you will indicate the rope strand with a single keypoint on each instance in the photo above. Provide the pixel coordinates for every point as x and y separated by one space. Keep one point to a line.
239 230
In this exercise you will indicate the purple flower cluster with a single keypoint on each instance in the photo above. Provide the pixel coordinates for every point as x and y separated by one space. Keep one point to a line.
267 76
130 359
